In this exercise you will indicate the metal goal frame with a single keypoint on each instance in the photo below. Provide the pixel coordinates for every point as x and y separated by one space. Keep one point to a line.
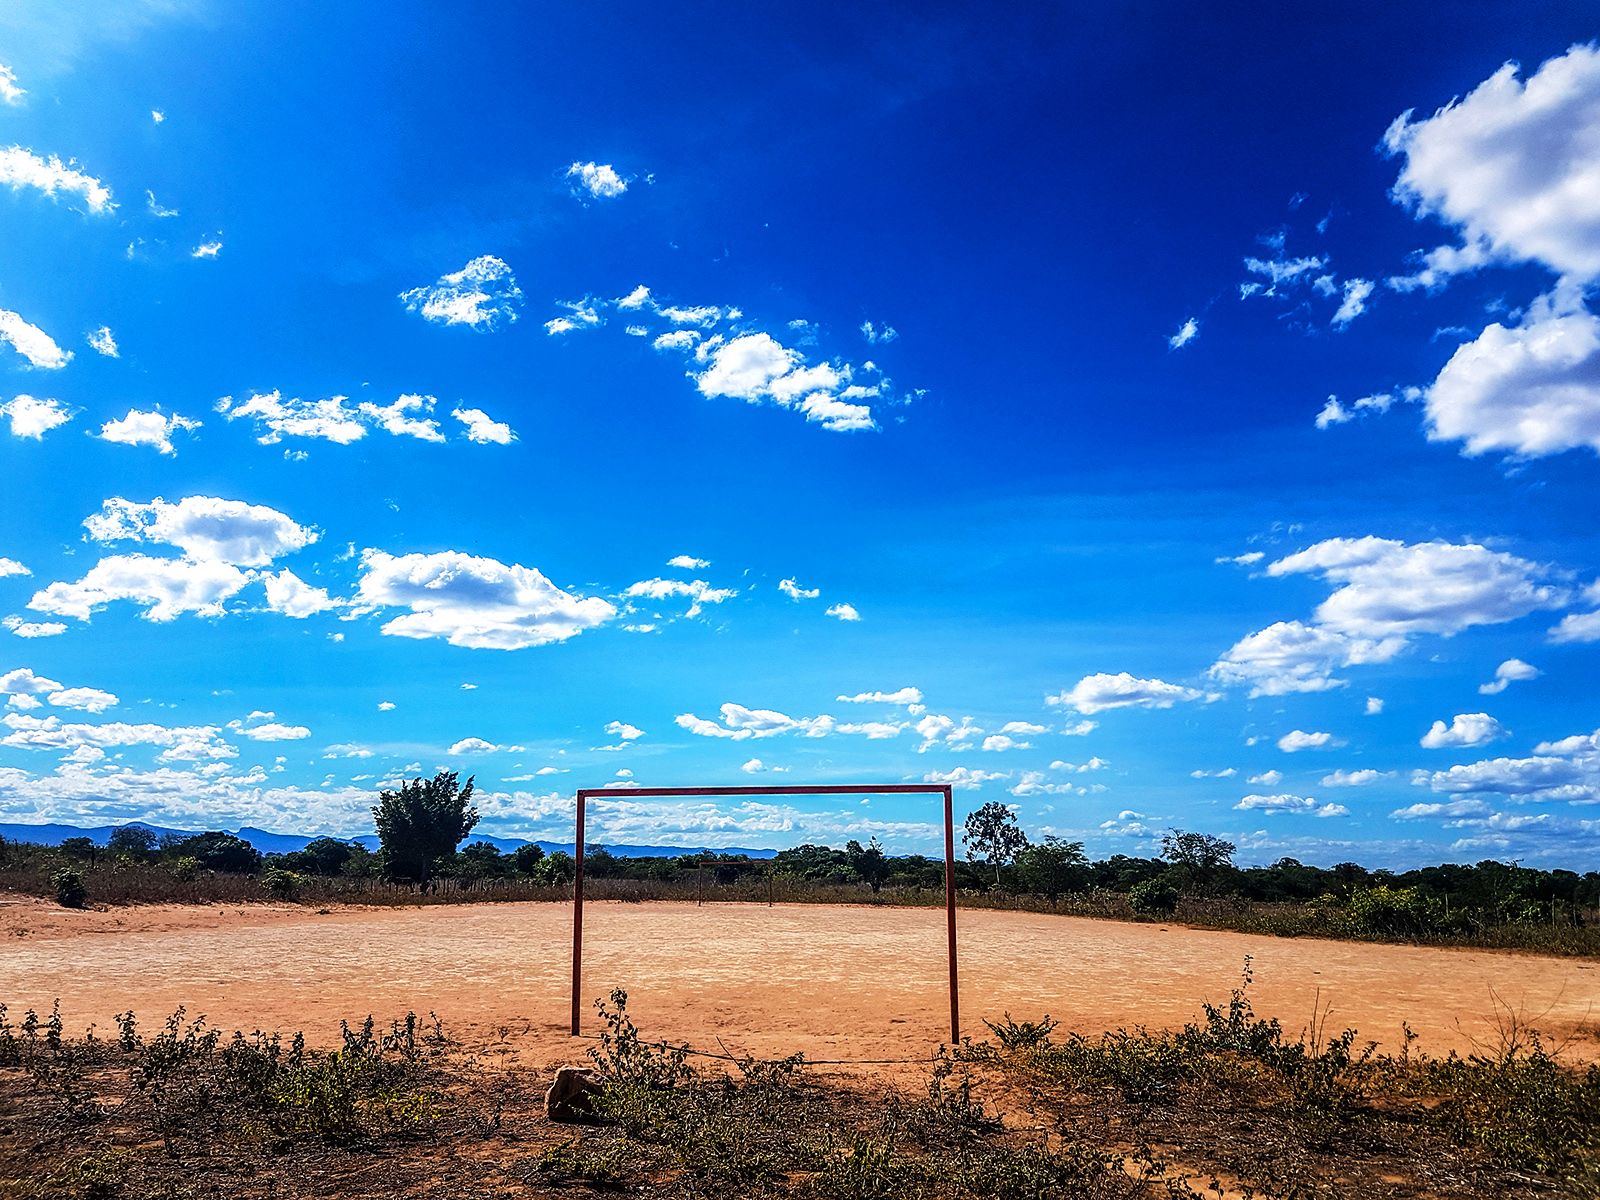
830 789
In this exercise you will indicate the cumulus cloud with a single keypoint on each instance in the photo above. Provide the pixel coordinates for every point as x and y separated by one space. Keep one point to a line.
406 417
1187 332
1356 294
1567 769
966 779
1374 706
33 343
167 587
741 724
482 428
1361 778
32 629
698 592
477 745
1291 804
153 429
475 602
102 341
1299 739
599 180
906 696
11 92
1098 693
624 732
481 295
756 368
179 743
31 417
1267 778
685 562
794 591
292 596
1465 729
83 699
842 612
1290 656
1530 390
1515 165
10 566
277 418
205 528
1513 670
211 249
21 168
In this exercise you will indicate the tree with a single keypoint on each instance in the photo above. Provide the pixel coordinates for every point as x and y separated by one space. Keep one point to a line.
1054 866
1197 858
217 851
80 847
993 832
131 841
868 862
527 857
423 822
326 855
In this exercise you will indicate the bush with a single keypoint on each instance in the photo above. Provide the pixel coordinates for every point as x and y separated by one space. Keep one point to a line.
1389 912
281 884
70 892
1153 896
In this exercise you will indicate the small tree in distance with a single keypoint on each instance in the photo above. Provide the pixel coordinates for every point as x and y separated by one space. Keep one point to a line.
992 831
422 822
868 862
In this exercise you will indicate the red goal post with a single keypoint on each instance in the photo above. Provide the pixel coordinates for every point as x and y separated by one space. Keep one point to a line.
831 789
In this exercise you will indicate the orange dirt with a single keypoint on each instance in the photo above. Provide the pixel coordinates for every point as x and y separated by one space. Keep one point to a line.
833 981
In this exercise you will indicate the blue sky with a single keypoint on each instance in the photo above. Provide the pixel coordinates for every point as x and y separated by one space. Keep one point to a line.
1140 418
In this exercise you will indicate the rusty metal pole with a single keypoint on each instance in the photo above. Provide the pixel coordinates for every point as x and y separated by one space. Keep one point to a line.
577 924
950 911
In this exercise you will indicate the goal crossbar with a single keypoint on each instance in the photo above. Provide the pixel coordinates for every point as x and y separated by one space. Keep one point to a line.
828 789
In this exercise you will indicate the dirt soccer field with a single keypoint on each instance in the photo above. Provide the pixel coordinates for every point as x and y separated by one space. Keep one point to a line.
832 981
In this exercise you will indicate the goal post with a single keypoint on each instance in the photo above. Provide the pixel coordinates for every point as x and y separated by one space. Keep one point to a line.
830 789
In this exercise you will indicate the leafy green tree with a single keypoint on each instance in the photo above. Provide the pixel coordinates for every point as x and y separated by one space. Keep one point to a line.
812 862
868 862
423 822
326 855
528 858
216 851
482 860
1199 860
1053 866
992 833
131 841
80 848
556 869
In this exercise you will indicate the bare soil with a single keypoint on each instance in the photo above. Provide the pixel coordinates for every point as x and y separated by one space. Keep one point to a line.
835 982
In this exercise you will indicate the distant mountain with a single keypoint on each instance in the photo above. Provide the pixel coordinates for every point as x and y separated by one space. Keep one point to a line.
283 843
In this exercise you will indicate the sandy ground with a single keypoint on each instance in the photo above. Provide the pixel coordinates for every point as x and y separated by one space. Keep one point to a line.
832 981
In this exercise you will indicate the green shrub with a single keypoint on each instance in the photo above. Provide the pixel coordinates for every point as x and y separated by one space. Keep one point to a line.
1389 912
1153 896
70 891
281 884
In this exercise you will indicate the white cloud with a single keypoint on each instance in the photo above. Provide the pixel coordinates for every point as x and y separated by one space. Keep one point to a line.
477 745
741 724
1290 656
10 91
482 428
274 731
146 429
33 343
1187 332
1391 589
1281 271
624 732
1374 706
581 314
10 566
1577 627
1267 778
836 415
84 699
677 339
385 705
167 587
794 591
475 602
1513 670
1291 804
963 778
1335 413
155 206
1451 808
103 341
157 116
697 591
1568 769
211 249
205 528
1529 390
1080 728
33 629
480 295
406 417
1343 778
1465 729
290 595
685 562
1001 741
1248 559
634 300
843 612
33 418
1356 294
905 696
755 367
1224 773
1098 693
1515 166
21 168
328 420
1298 739
23 682
180 743
753 766
600 180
